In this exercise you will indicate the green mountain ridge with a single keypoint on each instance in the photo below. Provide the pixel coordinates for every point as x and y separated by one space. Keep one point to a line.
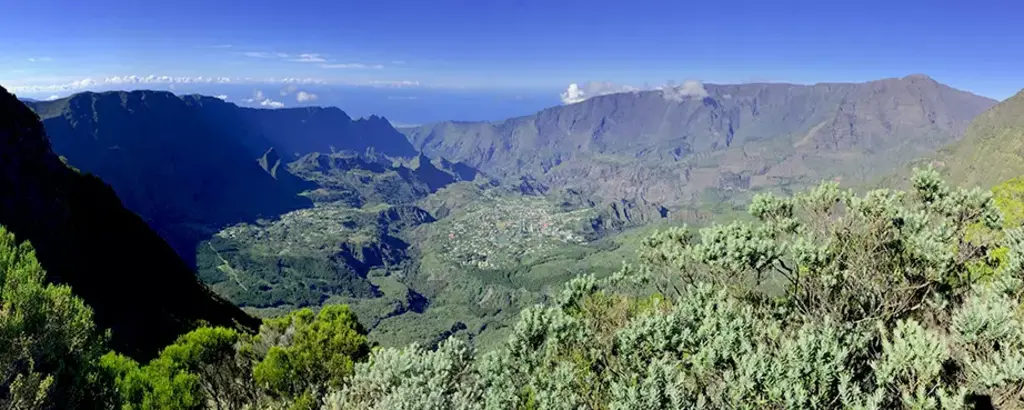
992 149
86 238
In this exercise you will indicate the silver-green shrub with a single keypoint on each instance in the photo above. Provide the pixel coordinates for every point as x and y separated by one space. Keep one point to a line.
828 300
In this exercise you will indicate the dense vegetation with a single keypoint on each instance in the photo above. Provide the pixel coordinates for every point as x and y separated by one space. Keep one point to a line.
408 276
826 299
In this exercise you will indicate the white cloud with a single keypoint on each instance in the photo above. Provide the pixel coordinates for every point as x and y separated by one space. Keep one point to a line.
573 94
576 93
309 58
39 59
163 79
52 97
221 46
43 85
291 80
393 84
288 90
40 88
259 98
406 97
271 103
690 88
222 97
353 66
303 96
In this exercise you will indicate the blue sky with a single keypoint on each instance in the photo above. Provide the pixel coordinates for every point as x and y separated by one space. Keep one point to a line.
458 57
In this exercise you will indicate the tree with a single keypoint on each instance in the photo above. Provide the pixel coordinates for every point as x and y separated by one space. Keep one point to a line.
49 343
307 353
202 369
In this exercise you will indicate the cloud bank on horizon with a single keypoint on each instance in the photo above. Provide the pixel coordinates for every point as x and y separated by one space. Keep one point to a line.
576 93
134 80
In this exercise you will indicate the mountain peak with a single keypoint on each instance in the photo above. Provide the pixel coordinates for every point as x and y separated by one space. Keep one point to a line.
919 77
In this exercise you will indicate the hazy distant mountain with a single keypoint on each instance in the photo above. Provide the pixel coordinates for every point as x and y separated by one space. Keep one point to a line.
191 165
704 146
85 237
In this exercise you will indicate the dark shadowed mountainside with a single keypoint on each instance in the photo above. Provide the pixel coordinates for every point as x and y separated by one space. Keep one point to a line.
85 237
185 170
712 145
299 131
191 165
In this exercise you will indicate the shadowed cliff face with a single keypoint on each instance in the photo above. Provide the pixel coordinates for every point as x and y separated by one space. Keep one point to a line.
192 165
84 237
299 131
186 172
673 149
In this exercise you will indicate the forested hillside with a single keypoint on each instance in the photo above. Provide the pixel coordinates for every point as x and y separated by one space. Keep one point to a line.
992 149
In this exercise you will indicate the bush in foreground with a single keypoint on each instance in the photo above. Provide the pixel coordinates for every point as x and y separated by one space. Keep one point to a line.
828 300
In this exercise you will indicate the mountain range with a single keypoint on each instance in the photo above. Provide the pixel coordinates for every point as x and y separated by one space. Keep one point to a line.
84 237
191 165
690 149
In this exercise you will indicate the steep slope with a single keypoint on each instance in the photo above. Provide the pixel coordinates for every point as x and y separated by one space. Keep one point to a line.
86 238
683 150
992 149
185 164
299 131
